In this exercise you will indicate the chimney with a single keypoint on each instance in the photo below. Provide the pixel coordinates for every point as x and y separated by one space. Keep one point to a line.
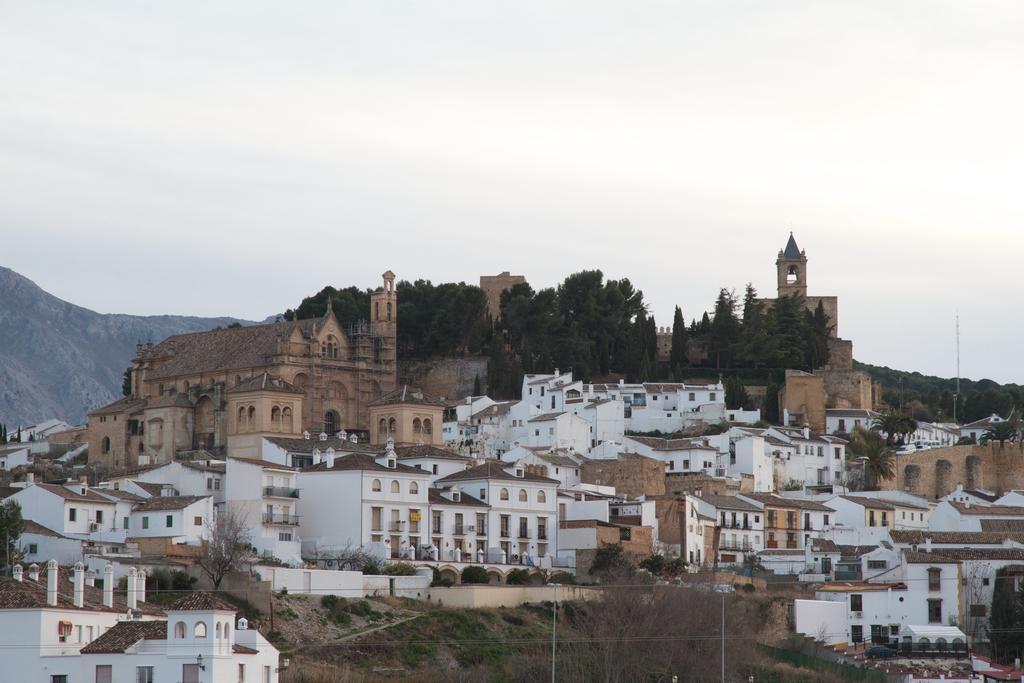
17 573
132 574
807 432
316 456
140 586
30 478
33 572
928 544
108 585
90 578
556 372
79 580
330 458
967 503
51 583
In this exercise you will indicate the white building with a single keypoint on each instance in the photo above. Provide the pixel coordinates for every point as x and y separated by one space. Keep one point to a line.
181 477
561 465
181 520
975 430
740 528
523 521
72 510
439 462
956 516
845 420
265 496
16 456
458 525
563 431
361 501
874 511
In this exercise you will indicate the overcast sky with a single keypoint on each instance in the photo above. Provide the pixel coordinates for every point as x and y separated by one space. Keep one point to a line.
229 158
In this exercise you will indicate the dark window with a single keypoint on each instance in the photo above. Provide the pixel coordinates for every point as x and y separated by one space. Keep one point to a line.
857 633
33 548
72 514
935 611
934 583
979 610
170 521
856 603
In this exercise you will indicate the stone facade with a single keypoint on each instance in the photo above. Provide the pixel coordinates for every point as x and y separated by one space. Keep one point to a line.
452 378
936 472
408 416
182 384
700 484
494 285
630 474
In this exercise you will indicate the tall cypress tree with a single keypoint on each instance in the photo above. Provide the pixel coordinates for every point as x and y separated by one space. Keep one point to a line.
677 356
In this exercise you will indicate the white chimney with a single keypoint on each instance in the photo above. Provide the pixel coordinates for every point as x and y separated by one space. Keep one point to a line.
51 583
79 581
132 574
33 572
30 478
90 578
316 456
17 573
928 544
330 458
108 585
807 432
140 586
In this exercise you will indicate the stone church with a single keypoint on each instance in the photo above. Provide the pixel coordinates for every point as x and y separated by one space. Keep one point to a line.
201 390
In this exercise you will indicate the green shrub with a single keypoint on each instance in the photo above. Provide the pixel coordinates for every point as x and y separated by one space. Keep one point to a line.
361 608
517 577
399 569
474 574
330 601
563 577
655 564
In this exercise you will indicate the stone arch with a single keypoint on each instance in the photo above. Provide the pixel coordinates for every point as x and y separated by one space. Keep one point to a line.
494 577
943 469
275 418
449 573
332 422
912 478
973 466
287 420
428 426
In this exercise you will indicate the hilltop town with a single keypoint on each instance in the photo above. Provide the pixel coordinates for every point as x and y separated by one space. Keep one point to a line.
263 493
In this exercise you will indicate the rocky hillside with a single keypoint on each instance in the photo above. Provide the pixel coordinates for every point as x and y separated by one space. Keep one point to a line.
61 360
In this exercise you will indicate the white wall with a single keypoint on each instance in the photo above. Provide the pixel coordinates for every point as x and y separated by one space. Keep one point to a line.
821 619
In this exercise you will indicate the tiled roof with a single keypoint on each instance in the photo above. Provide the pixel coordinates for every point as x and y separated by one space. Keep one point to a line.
856 550
252 346
493 469
984 495
546 417
436 498
428 451
792 252
119 494
8 491
848 412
772 500
406 395
983 537
495 409
860 587
127 404
660 444
123 635
729 503
243 650
67 494
265 382
306 446
881 503
913 557
781 551
265 464
988 510
983 422
200 601
161 503
28 594
1003 525
558 460
173 399
364 462
961 554
40 530
824 545
153 489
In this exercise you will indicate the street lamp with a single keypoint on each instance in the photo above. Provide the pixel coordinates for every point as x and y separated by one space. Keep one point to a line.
199 662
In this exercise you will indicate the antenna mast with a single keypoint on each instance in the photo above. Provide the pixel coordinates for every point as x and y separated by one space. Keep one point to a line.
956 395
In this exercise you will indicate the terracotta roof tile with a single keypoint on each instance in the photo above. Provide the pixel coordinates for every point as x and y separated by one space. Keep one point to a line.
265 382
493 469
123 635
364 462
200 601
160 503
406 394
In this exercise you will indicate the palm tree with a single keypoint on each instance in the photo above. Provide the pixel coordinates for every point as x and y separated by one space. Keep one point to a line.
1007 430
876 453
895 426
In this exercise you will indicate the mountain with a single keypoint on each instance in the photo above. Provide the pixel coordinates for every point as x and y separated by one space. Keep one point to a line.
61 360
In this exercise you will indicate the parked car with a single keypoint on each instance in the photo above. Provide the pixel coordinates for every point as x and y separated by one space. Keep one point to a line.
878 652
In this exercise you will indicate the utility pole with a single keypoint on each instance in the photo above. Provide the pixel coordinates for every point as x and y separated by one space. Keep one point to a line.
723 637
554 626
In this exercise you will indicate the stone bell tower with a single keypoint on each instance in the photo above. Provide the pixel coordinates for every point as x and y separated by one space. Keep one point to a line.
792 270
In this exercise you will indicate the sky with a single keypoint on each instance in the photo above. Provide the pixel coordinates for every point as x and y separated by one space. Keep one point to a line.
230 158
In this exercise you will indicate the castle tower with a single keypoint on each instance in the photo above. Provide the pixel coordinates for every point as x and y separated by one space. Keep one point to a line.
792 270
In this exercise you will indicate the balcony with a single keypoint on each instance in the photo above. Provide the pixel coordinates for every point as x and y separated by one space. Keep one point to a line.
504 533
396 526
524 534
280 519
459 531
280 492
736 547
542 534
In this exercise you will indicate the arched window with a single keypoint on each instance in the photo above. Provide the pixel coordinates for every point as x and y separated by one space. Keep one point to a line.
330 422
389 310
503 495
200 630
395 486
286 420
523 497
238 380
414 487
252 416
417 426
428 427
179 629
184 386
216 631
375 485
392 425
791 275
227 630
542 497
241 417
275 418
382 428
105 444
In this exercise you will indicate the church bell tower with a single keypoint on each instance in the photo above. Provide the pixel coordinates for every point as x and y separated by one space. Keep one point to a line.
792 270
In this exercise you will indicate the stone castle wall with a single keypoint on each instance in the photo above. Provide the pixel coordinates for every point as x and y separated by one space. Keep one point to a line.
494 285
450 378
936 472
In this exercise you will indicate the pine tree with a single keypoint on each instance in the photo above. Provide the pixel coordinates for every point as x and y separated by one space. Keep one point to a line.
736 397
477 390
725 328
1005 619
677 356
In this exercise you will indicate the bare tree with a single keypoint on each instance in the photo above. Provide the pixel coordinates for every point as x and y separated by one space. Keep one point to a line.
227 548
976 598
